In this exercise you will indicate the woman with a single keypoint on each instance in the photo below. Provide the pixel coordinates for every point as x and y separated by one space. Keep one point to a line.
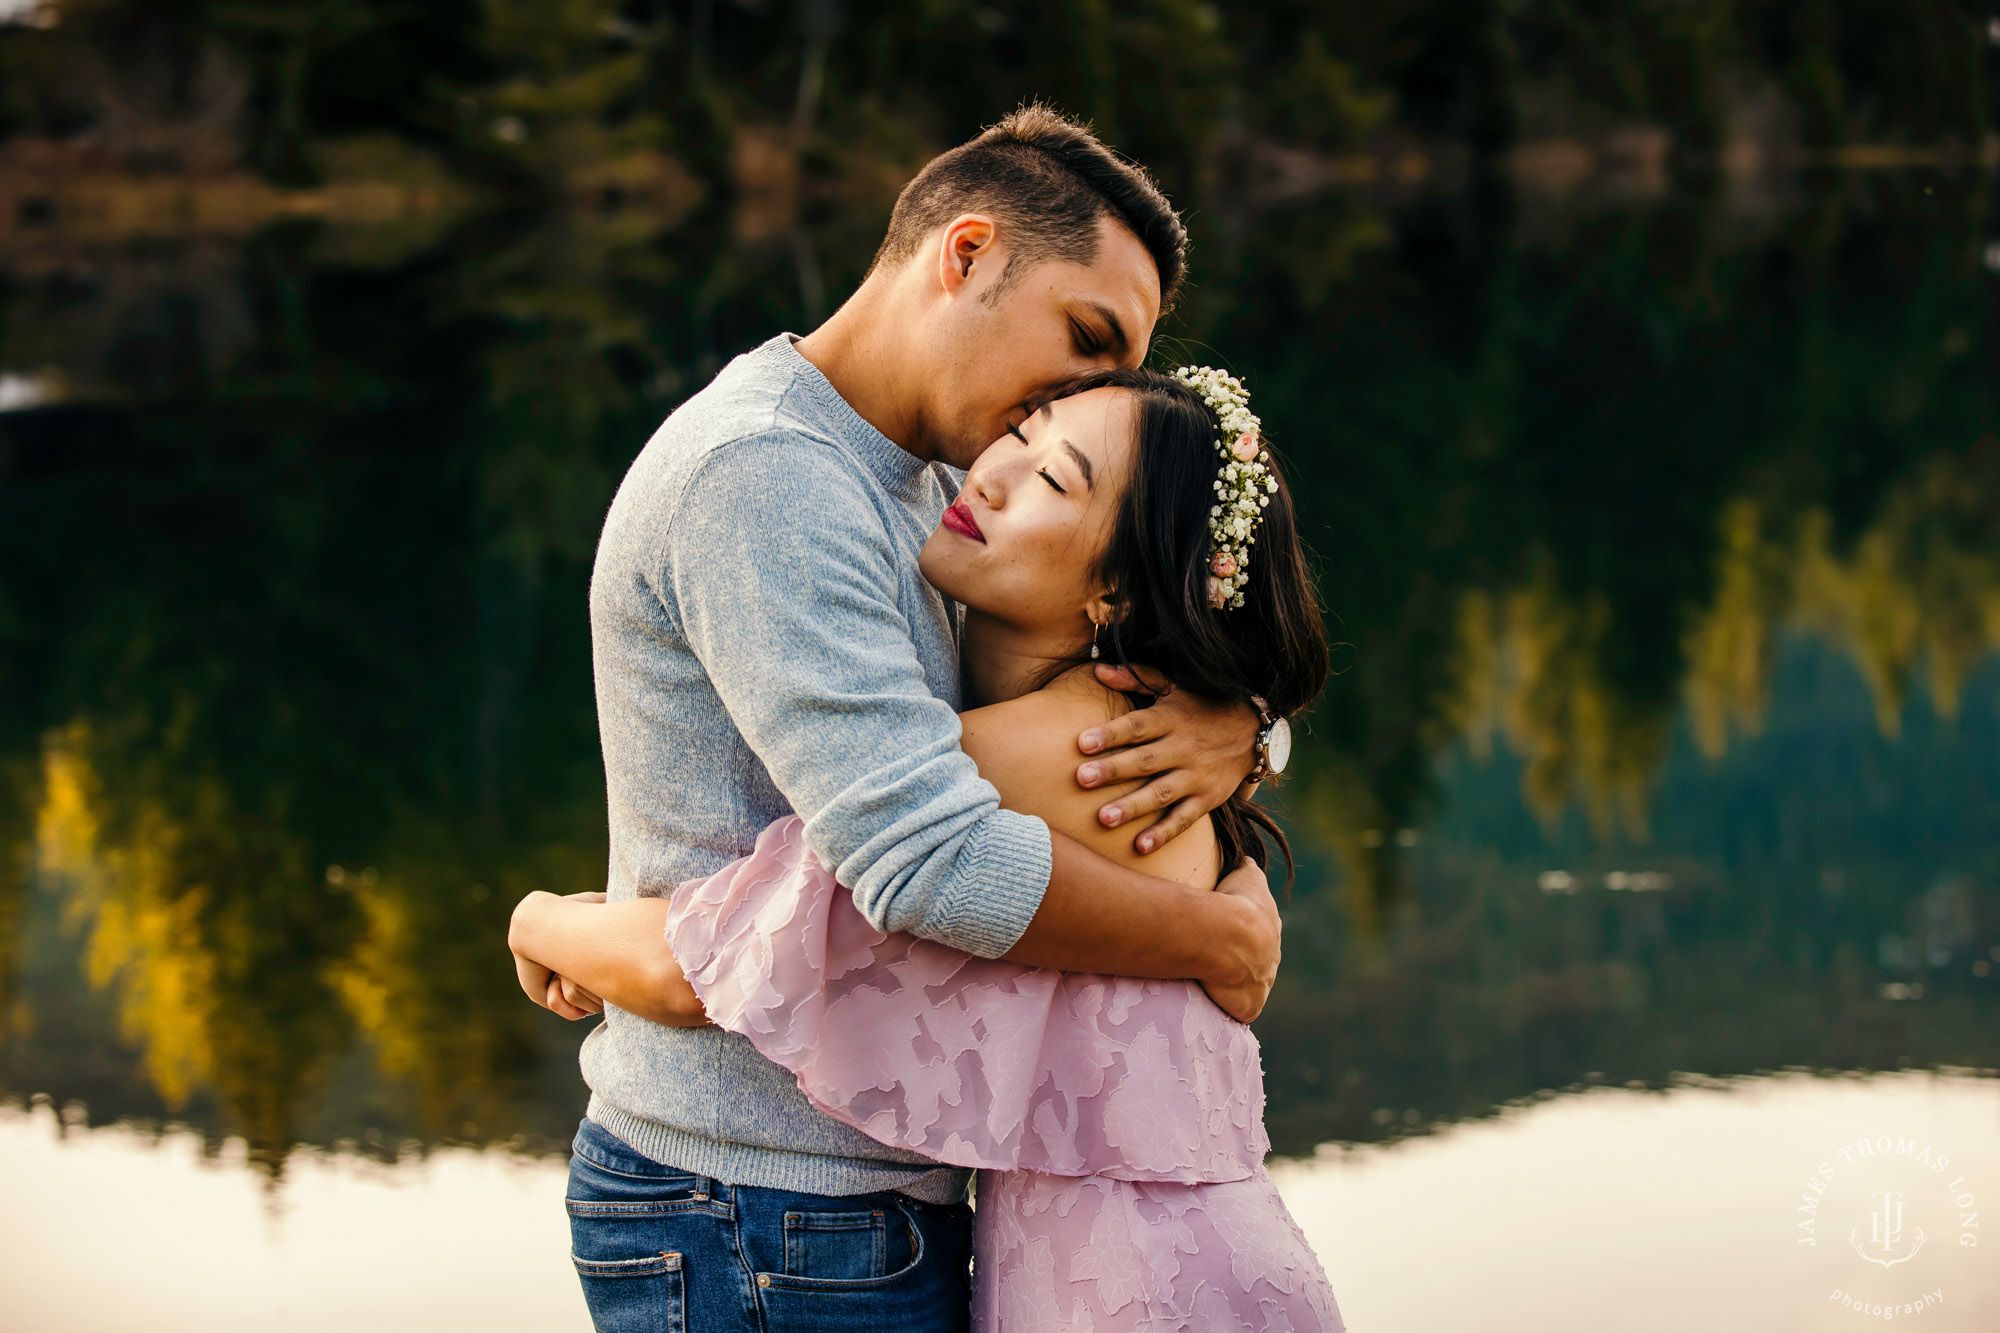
1117 1123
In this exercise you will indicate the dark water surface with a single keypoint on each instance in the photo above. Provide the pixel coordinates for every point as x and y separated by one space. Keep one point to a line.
1664 540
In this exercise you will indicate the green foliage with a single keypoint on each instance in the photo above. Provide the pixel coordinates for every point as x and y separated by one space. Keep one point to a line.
297 610
290 584
533 93
1317 102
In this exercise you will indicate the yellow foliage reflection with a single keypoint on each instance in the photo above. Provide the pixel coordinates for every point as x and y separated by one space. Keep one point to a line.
1920 591
1915 595
144 928
1534 661
427 982
198 920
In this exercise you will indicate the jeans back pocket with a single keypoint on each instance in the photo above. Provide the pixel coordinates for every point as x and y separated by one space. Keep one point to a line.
643 1295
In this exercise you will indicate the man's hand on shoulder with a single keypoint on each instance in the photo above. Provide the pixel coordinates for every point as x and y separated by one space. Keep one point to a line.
1196 753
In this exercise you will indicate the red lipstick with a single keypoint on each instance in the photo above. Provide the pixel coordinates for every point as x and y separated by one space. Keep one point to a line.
959 519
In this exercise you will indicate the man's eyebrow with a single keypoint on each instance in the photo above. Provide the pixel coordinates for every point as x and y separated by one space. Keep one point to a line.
1082 464
1104 312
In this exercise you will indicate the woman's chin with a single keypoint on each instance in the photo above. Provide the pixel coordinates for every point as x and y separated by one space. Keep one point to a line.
934 562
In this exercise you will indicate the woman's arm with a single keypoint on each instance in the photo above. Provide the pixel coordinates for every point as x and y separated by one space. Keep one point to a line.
619 952
616 951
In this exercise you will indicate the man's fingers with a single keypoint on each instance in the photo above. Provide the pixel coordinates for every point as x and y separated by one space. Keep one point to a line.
1122 679
1158 794
1141 724
1134 680
1147 680
1142 762
1169 826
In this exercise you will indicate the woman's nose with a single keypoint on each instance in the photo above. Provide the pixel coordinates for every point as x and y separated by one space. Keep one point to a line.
990 486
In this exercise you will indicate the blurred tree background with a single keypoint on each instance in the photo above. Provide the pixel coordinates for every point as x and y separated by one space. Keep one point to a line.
587 94
1635 362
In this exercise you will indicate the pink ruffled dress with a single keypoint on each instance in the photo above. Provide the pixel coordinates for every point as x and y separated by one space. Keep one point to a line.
1117 1125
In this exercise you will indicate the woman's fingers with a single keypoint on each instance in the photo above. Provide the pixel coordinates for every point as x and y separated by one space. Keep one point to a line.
595 896
555 1002
581 998
534 979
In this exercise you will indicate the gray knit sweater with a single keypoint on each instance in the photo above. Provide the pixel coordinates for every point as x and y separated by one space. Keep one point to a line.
763 644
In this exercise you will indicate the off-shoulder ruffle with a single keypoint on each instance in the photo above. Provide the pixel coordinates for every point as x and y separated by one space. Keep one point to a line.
973 1062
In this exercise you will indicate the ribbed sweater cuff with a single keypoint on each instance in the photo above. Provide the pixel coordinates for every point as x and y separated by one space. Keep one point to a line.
1002 872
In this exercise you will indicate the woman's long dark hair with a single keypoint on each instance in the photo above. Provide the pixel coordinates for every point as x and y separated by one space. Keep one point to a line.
1156 565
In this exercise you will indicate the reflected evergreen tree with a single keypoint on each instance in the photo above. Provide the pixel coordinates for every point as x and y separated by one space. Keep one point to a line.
292 566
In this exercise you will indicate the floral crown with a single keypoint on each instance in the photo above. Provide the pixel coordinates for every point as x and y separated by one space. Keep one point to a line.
1243 487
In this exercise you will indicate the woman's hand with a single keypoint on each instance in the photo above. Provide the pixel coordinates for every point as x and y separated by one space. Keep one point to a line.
1197 754
570 1000
557 994
574 953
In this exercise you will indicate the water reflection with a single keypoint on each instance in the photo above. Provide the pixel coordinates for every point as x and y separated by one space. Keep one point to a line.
1666 542
1567 1214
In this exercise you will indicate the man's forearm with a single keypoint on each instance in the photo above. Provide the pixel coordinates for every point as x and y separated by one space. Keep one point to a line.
1098 916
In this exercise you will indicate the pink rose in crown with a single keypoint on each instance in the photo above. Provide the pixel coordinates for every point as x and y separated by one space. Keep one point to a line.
1223 565
1246 446
1217 597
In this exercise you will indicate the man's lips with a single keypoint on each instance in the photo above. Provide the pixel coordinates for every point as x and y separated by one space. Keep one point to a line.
959 519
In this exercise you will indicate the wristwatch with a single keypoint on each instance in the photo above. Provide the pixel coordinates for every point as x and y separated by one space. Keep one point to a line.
1274 743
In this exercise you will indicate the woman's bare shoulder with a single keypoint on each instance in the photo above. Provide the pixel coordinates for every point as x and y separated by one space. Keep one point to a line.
1026 748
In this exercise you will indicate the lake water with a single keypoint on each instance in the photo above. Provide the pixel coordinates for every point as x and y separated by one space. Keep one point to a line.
1642 1210
1647 839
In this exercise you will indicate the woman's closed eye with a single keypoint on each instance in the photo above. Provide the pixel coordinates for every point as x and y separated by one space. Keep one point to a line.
1041 472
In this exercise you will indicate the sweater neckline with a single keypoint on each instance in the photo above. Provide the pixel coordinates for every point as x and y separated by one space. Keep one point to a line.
895 466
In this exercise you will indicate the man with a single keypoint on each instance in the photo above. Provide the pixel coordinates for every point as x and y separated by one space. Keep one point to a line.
763 643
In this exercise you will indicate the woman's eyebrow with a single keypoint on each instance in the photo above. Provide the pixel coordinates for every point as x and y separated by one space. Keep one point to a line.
1082 464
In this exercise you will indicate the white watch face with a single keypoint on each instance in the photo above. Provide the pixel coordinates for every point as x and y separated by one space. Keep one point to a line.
1278 746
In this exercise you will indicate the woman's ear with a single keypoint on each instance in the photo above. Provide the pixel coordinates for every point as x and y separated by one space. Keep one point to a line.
1104 610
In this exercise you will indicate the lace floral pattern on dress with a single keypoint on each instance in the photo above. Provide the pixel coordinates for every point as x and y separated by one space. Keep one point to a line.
1118 1123
1094 1254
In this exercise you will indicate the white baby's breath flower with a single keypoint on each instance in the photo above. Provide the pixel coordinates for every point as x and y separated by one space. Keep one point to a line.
1243 482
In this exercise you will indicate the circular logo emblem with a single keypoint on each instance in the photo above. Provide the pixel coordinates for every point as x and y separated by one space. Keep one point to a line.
1891 1207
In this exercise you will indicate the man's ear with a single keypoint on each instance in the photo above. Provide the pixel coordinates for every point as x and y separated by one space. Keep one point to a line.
969 248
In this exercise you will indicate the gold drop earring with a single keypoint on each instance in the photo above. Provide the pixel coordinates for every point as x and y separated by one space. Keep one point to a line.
1094 627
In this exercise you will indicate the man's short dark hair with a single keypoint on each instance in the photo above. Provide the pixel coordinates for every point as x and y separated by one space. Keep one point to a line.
1047 179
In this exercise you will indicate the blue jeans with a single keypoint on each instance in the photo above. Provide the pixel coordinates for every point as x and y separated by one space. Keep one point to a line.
662 1251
